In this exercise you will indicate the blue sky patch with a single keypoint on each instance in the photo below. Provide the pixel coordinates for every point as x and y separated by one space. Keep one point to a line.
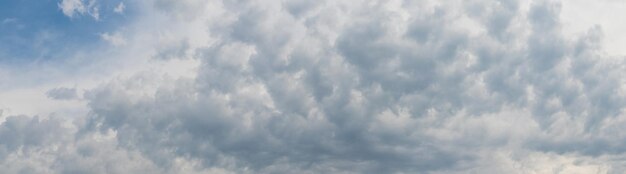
35 31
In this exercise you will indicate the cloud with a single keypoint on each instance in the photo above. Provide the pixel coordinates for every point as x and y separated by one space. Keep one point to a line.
70 7
79 7
382 88
119 8
114 39
343 87
63 93
50 145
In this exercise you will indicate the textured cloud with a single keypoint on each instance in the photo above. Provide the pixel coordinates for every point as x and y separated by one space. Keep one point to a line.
383 87
342 87
32 145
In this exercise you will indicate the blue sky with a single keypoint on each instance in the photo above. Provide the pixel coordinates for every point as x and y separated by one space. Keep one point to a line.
325 86
36 31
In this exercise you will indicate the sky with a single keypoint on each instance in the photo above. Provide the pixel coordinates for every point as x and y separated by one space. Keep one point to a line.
297 86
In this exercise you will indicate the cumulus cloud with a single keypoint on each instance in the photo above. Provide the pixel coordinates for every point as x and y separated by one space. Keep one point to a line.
384 87
34 145
345 87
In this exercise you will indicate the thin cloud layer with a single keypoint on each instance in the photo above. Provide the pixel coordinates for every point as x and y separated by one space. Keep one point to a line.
341 87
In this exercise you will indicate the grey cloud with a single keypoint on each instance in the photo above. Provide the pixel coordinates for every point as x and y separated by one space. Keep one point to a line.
62 93
35 145
23 133
323 106
361 87
177 50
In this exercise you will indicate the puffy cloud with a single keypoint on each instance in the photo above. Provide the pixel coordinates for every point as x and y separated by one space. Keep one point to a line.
52 145
345 87
380 87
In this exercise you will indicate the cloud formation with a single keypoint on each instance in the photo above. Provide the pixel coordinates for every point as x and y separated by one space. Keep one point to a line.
114 39
63 93
80 7
342 87
119 8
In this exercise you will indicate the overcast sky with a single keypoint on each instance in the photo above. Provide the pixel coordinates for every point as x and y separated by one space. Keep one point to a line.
312 86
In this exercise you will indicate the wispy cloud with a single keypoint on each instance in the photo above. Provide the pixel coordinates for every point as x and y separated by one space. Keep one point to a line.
115 39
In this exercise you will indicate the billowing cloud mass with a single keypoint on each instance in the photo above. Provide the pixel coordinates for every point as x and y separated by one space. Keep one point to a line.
359 86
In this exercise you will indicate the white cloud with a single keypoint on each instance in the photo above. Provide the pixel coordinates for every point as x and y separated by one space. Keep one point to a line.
71 8
119 8
115 39
33 101
578 15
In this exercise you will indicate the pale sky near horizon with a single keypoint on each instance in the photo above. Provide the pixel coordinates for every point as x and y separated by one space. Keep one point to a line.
297 86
